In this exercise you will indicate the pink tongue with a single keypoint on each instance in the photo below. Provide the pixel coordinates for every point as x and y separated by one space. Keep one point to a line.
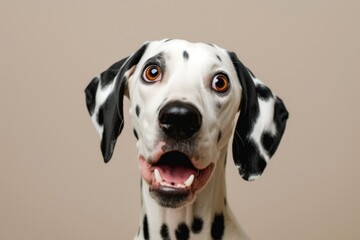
176 174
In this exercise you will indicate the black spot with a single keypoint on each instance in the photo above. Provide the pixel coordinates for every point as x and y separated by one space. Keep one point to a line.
90 93
100 116
225 201
281 114
218 105
136 135
146 228
219 137
137 110
186 55
280 117
182 232
218 58
108 77
212 45
267 141
263 92
218 227
197 225
254 164
164 232
168 40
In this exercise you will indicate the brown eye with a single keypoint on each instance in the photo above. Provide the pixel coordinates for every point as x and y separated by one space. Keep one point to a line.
152 73
220 83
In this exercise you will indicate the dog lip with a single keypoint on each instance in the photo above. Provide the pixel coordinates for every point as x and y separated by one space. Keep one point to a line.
171 197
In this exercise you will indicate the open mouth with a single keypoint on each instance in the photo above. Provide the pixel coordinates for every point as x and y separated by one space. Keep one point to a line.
173 179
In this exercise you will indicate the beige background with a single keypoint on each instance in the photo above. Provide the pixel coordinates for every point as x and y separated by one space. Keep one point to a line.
53 183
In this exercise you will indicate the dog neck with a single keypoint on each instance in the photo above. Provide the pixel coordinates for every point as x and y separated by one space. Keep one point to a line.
207 217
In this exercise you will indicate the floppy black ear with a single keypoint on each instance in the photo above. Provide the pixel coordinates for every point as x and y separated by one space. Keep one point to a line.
260 126
104 101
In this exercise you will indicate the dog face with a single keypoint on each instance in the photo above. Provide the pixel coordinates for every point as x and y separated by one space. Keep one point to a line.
184 98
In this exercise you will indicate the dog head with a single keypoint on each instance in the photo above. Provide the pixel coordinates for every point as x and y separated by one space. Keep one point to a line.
184 99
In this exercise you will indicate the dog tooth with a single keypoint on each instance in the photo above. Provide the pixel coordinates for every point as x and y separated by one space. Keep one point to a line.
189 181
180 185
157 175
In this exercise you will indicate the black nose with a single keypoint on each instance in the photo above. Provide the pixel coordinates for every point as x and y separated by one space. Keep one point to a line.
179 120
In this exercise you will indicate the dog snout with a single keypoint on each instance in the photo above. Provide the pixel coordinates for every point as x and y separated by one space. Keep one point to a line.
179 120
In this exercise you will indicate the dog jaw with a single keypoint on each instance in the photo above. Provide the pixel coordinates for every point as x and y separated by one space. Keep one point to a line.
173 179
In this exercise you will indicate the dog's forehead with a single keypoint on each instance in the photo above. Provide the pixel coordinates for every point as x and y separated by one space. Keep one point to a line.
175 49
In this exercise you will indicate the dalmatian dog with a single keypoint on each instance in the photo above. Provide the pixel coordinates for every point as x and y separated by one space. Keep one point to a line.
187 101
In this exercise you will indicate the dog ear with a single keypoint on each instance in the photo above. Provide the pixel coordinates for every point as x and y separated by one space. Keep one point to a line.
260 126
104 101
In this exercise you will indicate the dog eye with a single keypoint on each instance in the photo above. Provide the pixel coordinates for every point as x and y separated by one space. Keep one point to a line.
152 73
220 83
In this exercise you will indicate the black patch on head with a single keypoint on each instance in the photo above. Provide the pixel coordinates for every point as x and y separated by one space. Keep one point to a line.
136 135
212 45
90 93
263 92
219 137
137 110
280 116
158 59
146 228
168 40
109 75
255 163
218 227
186 55
197 225
164 232
280 112
218 57
100 116
182 232
267 141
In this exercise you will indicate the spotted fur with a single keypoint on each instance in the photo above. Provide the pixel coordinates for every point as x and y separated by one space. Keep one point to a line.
186 71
